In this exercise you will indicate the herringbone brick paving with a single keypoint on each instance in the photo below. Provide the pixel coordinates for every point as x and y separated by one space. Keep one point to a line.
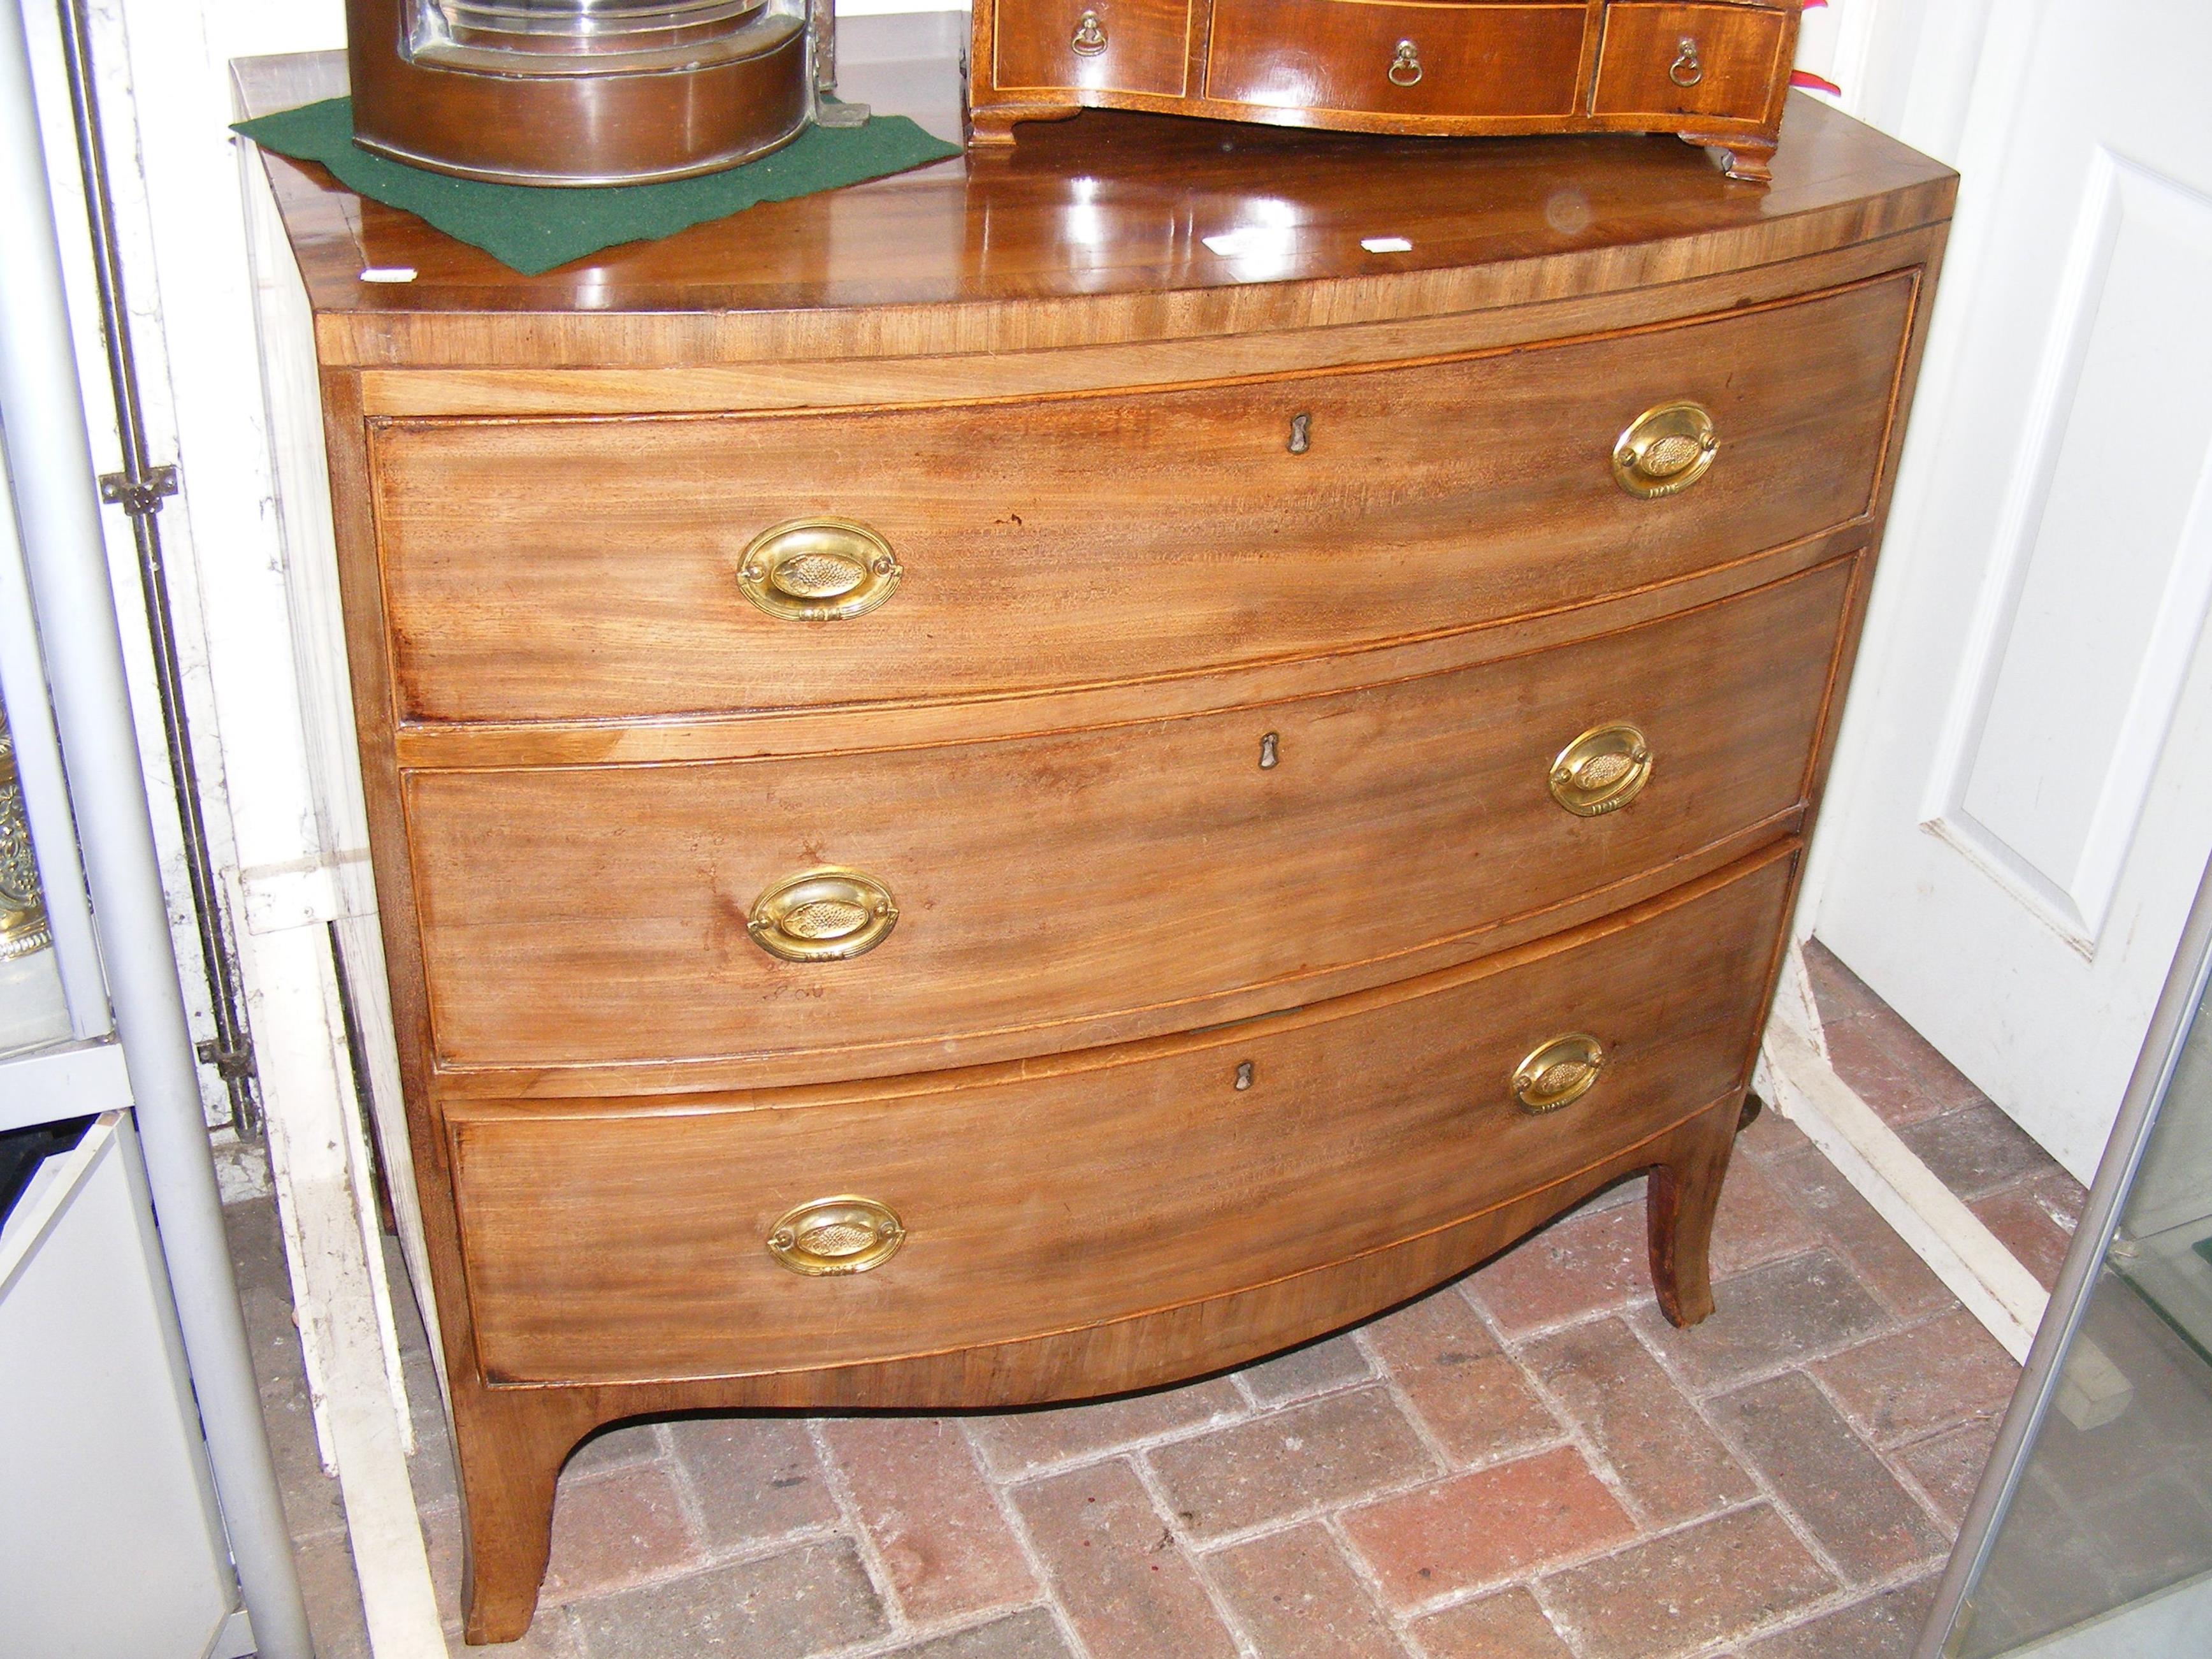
1529 1463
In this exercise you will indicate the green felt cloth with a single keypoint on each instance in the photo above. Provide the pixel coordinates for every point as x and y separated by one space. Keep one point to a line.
534 227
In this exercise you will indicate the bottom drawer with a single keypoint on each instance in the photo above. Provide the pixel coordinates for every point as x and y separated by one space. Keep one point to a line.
632 1240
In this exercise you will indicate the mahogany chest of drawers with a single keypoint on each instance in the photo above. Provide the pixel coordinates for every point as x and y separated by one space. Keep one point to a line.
975 802
1715 71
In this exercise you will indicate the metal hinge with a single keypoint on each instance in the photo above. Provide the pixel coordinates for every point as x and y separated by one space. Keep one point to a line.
139 498
228 1063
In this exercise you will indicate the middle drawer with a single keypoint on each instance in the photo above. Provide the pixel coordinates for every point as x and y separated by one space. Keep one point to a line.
1091 885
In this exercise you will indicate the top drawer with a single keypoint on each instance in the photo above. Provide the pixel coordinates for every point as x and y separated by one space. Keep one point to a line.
574 569
1104 45
1398 60
1671 60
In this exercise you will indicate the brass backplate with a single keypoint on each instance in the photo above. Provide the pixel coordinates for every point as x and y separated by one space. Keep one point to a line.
1602 771
818 570
1665 450
1559 1073
833 1235
823 916
23 926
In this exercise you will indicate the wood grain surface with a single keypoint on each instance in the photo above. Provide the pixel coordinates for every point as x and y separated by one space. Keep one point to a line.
1102 538
517 1436
1118 878
1145 48
1093 231
583 759
1741 69
1469 59
1428 67
606 1245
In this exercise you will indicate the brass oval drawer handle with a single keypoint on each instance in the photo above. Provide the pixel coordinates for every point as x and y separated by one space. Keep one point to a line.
841 1235
1405 67
823 916
1686 70
1665 450
1602 771
1558 1074
1089 37
818 570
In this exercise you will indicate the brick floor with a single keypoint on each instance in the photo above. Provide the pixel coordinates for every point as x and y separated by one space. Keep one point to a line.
1528 1464
2018 1189
1505 1468
934 1523
1297 1596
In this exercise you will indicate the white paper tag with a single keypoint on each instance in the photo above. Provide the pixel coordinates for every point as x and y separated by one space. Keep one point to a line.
1386 244
1254 242
388 274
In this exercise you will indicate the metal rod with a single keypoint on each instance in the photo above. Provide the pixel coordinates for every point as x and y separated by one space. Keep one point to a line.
2178 1005
50 465
232 1054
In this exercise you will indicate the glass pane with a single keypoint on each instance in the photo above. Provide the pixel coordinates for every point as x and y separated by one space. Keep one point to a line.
574 28
2110 1529
33 1010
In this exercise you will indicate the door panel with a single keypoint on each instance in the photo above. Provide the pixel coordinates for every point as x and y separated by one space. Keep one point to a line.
2102 579
2024 816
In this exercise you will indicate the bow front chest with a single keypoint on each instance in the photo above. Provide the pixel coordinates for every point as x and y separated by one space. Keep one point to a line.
1060 772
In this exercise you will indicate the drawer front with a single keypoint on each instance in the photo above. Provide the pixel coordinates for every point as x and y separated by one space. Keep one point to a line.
1381 59
1668 60
1104 45
583 569
1116 877
632 1244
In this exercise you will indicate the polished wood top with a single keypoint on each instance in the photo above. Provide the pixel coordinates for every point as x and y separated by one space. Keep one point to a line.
1097 230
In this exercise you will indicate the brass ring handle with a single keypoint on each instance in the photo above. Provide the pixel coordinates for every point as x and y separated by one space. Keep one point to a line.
1602 771
1665 450
1686 70
834 1236
1559 1073
1406 68
823 916
818 570
1089 37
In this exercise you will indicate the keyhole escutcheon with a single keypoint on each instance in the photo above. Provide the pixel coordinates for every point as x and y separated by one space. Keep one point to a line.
1243 1074
1301 433
1270 751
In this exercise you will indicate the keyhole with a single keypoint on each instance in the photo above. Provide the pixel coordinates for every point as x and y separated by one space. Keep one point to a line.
1244 1074
1301 426
1268 755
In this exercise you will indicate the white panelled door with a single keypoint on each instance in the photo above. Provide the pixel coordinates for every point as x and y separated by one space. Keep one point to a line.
2027 805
